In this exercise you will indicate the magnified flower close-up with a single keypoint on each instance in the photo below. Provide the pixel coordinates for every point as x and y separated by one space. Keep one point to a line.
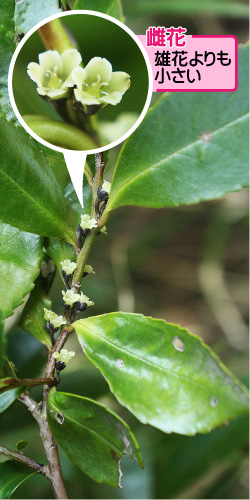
53 73
98 84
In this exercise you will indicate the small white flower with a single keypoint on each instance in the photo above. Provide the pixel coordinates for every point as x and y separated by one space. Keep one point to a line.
53 73
103 230
89 269
106 186
70 297
68 266
87 222
98 84
53 318
64 356
85 300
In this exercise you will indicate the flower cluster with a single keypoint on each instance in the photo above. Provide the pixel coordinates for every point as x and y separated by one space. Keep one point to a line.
62 358
92 88
68 267
87 222
53 321
80 300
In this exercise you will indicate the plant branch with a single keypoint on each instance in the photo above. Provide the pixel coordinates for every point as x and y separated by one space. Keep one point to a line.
26 382
55 37
21 457
98 180
54 472
82 259
88 174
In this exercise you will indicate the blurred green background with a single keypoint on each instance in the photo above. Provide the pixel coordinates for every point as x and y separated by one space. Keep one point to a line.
94 36
188 265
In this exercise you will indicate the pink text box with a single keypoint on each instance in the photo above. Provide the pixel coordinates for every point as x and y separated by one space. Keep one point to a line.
215 78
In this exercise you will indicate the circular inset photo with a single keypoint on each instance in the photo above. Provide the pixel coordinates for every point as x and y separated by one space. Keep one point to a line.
81 82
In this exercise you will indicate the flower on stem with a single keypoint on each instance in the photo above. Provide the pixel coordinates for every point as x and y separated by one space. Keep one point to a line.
68 267
63 356
83 303
103 230
54 320
88 270
85 300
87 222
70 297
106 187
98 86
53 73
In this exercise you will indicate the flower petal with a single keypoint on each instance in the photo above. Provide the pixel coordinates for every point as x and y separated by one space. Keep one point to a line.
53 93
119 82
79 75
35 72
113 98
85 98
71 58
51 59
98 66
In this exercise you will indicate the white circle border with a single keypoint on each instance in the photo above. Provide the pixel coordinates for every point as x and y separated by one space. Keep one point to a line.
97 14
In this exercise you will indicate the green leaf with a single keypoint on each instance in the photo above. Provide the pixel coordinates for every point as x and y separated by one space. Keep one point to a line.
182 7
21 254
163 374
21 445
75 208
32 198
32 318
1 345
8 397
94 438
111 7
30 12
191 146
7 47
59 251
12 474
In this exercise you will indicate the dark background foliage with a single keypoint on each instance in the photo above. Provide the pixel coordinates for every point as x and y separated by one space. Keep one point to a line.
188 265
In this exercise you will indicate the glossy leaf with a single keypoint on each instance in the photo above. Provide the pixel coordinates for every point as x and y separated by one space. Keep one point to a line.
32 198
111 7
59 251
191 146
163 374
8 397
21 254
30 12
93 437
1 345
7 48
32 318
75 208
222 8
12 474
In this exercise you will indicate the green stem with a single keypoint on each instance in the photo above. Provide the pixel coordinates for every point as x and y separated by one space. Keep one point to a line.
88 174
55 37
83 256
98 180
61 134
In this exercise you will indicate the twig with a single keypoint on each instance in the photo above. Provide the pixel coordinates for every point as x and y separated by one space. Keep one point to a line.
54 472
21 457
